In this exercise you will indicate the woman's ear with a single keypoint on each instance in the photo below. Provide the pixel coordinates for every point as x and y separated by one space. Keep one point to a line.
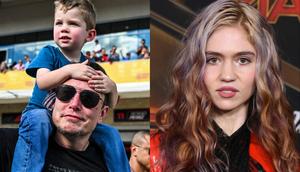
91 35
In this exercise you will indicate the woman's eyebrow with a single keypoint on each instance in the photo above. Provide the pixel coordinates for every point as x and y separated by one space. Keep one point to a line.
242 53
245 53
213 53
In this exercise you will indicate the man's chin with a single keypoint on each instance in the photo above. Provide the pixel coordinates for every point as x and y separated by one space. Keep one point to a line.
70 131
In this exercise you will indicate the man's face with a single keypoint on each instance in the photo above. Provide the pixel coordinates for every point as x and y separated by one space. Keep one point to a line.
142 153
70 30
72 117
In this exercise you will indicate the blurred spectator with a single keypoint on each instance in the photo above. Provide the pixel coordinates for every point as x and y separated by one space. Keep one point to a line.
11 66
142 45
97 49
10 63
114 56
127 57
104 56
140 152
3 67
19 65
145 54
88 55
28 61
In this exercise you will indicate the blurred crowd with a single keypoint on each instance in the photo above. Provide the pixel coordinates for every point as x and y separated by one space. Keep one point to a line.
4 66
100 54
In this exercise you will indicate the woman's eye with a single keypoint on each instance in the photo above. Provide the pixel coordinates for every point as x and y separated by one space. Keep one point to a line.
244 61
212 60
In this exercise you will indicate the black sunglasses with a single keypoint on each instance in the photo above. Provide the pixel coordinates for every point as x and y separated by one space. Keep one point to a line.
88 98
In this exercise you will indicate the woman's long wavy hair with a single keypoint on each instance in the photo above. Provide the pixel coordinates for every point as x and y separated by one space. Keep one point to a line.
188 139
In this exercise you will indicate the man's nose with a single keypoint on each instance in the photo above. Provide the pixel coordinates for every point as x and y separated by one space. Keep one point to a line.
75 103
228 73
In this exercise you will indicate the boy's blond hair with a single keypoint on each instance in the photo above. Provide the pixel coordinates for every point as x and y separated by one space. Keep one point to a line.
86 8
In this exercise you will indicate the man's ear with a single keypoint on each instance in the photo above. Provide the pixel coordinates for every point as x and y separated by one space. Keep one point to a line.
91 35
133 150
103 113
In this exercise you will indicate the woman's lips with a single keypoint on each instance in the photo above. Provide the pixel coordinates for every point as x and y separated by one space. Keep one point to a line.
227 91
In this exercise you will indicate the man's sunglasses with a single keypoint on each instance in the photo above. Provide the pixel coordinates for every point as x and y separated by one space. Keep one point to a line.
88 98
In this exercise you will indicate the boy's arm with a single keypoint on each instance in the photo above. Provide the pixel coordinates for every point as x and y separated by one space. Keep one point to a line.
47 79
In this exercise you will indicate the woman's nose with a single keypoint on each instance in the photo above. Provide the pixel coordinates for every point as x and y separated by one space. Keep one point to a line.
227 72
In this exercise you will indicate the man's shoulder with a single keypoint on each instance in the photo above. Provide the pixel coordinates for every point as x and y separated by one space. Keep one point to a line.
107 129
106 133
107 126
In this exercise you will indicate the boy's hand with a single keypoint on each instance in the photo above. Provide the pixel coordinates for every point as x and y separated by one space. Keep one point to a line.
101 83
80 71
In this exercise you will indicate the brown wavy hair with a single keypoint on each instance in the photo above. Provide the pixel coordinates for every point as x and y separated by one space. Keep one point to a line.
86 8
188 139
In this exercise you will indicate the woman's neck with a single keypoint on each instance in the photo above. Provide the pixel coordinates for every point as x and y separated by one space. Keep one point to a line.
231 121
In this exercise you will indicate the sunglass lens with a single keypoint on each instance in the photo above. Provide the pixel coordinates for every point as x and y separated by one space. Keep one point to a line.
65 93
89 98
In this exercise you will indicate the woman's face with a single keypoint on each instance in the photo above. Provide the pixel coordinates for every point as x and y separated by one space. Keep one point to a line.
230 68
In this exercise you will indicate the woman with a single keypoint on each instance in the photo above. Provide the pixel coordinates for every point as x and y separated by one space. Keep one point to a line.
227 110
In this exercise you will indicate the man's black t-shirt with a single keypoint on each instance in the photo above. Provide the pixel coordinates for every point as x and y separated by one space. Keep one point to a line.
59 159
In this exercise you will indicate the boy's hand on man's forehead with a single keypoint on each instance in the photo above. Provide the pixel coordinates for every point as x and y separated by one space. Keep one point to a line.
101 83
100 73
80 71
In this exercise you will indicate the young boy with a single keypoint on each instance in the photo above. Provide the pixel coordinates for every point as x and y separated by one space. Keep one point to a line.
74 25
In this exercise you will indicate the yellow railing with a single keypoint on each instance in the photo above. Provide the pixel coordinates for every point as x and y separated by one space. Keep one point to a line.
120 72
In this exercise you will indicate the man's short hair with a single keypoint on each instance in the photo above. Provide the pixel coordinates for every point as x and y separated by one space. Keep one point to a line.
140 137
86 8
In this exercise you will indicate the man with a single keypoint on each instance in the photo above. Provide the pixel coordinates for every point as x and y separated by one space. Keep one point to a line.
142 45
77 110
140 152
114 56
97 49
27 61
